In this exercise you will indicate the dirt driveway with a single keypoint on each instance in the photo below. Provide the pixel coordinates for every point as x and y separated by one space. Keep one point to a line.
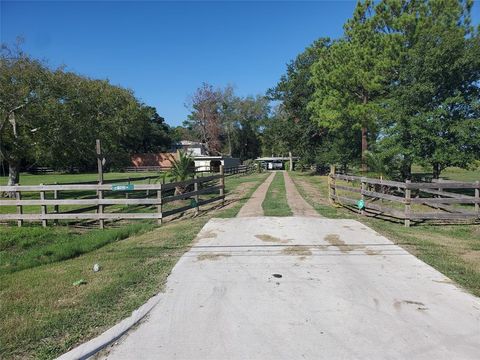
304 288
253 207
296 202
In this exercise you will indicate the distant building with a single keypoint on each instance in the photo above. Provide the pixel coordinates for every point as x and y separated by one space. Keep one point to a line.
196 150
192 148
274 162
212 163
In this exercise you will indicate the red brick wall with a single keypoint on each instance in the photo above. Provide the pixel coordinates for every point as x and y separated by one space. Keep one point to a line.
160 159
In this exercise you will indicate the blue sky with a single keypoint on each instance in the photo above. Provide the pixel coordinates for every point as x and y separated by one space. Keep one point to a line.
165 50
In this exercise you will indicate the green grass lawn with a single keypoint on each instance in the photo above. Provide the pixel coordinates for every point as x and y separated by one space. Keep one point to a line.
453 250
275 203
453 173
42 314
123 178
29 179
450 173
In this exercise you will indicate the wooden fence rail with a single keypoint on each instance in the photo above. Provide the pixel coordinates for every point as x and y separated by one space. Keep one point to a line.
405 194
151 195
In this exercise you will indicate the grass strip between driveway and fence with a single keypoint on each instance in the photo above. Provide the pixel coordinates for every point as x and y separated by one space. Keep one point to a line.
275 203
42 314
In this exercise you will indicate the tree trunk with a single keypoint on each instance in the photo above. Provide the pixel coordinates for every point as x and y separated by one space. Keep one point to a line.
291 160
406 170
13 173
364 148
436 170
13 178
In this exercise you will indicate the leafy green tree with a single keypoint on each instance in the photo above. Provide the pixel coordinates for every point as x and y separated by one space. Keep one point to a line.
295 131
205 118
183 168
350 79
249 114
53 117
23 86
433 103
227 123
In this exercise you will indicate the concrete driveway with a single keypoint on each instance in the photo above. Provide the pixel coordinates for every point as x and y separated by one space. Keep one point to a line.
304 288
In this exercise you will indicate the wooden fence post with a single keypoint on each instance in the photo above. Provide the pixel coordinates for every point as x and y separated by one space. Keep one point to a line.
362 194
331 186
477 198
44 208
195 188
159 206
101 221
18 196
408 195
222 184
55 207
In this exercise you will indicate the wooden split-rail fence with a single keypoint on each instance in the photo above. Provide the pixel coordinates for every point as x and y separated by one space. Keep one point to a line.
95 198
408 201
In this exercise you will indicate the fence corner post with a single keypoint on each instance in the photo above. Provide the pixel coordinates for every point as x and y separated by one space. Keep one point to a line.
18 196
408 195
222 184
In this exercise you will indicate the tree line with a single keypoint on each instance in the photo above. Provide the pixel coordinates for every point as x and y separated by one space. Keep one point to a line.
400 87
52 117
227 124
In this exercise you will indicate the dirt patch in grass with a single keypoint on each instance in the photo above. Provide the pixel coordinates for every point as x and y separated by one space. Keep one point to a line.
312 191
216 256
297 250
270 238
473 258
240 192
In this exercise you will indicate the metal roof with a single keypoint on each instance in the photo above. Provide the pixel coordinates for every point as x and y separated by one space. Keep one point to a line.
276 158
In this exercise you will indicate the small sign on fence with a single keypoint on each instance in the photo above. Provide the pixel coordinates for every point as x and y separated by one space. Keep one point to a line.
128 187
361 204
193 203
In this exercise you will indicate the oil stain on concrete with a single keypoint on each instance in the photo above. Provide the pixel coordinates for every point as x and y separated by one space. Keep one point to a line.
270 238
334 240
214 256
